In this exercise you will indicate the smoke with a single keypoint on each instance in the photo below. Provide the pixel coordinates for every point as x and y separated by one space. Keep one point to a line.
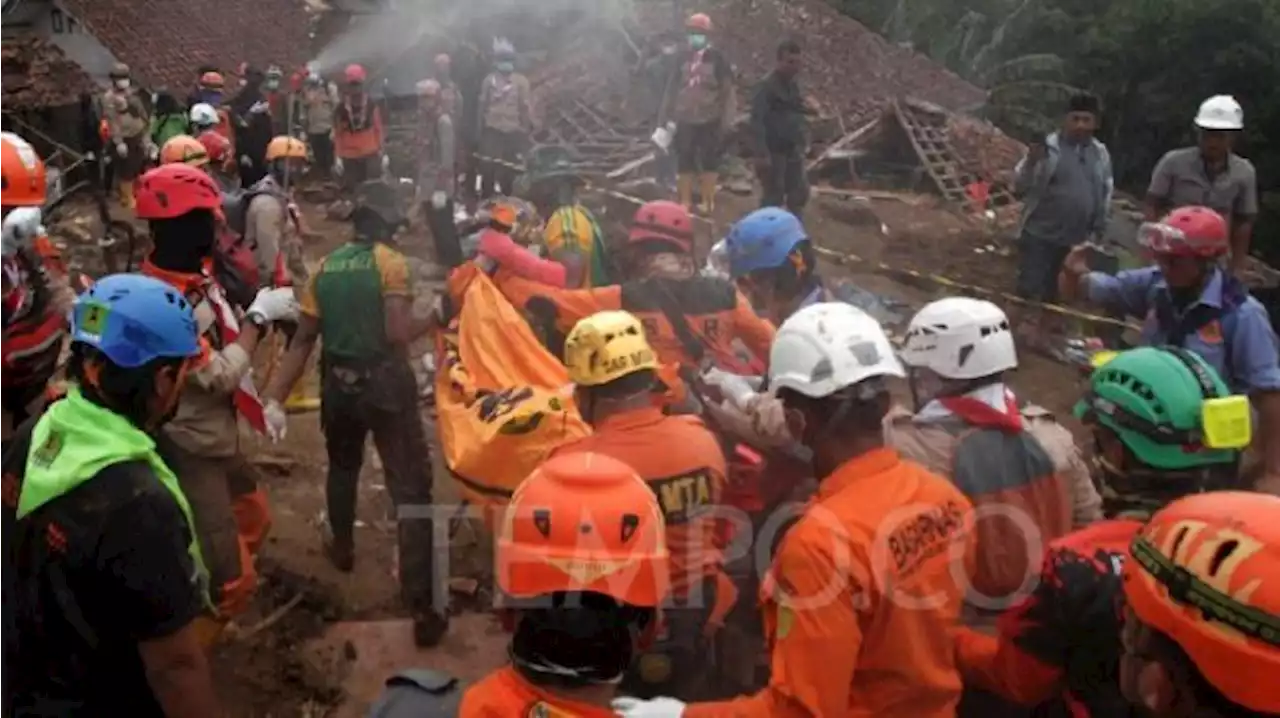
383 39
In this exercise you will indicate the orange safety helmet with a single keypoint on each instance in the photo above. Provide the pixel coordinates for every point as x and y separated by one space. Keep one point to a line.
284 147
22 173
1205 571
584 522
212 81
698 21
185 149
172 190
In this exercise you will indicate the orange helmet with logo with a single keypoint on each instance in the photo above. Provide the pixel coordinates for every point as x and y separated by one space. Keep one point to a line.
1205 571
185 149
584 522
22 171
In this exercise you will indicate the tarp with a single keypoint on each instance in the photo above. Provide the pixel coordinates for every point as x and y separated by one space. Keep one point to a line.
502 400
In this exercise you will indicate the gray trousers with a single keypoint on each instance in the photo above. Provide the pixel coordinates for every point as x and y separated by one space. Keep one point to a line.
784 182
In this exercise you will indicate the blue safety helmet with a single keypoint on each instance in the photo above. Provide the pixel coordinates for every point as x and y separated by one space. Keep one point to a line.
763 240
133 319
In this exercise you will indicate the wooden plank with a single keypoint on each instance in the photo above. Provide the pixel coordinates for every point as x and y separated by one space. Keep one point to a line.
841 143
939 175
631 166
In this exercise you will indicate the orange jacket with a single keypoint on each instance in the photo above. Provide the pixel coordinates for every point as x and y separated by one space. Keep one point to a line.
715 312
682 462
848 635
357 132
506 694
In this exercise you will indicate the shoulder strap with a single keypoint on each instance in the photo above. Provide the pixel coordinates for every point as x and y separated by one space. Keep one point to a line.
693 345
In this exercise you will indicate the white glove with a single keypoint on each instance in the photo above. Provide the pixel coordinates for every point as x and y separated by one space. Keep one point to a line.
337 166
245 161
386 163
439 199
277 422
768 418
153 152
652 708
274 305
90 156
122 149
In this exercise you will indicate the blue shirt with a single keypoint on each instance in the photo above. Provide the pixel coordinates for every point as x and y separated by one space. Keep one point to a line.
1255 350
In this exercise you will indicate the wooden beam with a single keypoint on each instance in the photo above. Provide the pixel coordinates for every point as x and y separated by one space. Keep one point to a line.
843 142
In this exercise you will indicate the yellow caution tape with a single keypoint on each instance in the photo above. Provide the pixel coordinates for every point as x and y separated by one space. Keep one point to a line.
841 258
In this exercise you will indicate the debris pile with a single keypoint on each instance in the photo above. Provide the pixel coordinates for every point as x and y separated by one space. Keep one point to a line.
38 74
982 148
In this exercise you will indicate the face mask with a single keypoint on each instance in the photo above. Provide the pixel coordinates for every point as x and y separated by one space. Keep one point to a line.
505 67
123 84
272 85
697 41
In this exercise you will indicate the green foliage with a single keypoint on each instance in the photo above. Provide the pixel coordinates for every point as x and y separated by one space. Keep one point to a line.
1150 61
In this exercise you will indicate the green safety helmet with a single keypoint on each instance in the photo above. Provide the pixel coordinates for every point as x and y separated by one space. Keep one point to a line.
1169 407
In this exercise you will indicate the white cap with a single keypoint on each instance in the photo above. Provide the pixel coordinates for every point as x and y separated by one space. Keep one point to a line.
960 338
1220 112
826 347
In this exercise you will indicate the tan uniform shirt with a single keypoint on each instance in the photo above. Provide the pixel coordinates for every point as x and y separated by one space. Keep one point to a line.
125 114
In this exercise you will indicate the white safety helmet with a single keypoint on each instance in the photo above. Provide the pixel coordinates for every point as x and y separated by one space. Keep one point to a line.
960 338
21 228
828 346
203 115
1220 112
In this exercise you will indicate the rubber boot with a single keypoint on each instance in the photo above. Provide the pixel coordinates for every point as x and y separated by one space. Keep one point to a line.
126 195
707 182
684 188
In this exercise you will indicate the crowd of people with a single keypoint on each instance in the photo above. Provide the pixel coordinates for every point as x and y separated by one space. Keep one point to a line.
956 553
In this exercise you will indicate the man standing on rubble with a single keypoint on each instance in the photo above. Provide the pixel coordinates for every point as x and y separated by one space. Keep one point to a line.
318 103
506 118
1210 174
704 112
1065 185
779 132
361 301
437 176
128 124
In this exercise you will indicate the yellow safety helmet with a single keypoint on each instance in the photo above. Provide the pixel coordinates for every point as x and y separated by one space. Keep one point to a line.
286 147
605 347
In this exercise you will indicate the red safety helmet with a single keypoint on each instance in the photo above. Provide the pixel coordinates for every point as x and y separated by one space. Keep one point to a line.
662 221
212 81
1187 232
354 73
698 21
216 145
173 190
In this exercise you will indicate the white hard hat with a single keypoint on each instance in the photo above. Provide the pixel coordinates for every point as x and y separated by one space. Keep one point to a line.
826 347
960 338
203 115
21 228
1220 112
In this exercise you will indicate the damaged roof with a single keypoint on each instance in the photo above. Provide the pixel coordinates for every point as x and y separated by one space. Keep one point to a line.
164 41
36 73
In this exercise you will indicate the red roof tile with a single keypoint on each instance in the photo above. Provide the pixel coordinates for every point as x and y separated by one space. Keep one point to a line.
37 74
164 41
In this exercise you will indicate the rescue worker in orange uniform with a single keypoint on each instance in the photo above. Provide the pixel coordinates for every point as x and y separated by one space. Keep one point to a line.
357 131
582 568
862 597
1146 409
614 372
689 319
182 205
36 295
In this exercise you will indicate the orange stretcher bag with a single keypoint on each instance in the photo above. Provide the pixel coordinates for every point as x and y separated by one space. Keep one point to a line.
502 400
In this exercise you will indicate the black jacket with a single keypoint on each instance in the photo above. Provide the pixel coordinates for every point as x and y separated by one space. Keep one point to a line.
778 116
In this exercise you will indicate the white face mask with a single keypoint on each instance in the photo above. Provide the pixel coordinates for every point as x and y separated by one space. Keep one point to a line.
123 83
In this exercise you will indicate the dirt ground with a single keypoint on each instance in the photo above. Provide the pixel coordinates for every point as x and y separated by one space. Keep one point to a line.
341 635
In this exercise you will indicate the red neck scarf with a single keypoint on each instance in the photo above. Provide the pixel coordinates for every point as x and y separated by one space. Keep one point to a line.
979 413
